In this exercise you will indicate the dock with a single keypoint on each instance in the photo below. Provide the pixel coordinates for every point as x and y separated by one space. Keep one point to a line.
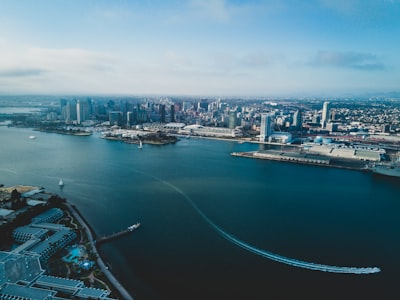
118 234
305 158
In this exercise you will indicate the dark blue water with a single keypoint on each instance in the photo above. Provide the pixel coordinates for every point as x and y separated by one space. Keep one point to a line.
315 214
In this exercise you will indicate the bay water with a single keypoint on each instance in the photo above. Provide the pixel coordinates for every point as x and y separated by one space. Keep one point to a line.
314 214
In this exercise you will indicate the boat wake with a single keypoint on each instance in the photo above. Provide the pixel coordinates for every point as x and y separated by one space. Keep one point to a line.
269 255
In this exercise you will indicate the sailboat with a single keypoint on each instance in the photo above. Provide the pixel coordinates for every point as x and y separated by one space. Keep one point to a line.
61 182
140 145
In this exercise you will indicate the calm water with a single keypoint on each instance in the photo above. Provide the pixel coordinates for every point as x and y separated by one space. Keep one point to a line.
327 216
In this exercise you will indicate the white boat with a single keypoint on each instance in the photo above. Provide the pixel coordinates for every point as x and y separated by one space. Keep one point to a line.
133 227
140 145
61 182
32 137
387 170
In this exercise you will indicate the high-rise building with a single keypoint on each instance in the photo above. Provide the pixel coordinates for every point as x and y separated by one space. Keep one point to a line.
266 126
172 113
70 109
129 119
325 114
297 122
115 118
78 112
63 109
162 112
232 119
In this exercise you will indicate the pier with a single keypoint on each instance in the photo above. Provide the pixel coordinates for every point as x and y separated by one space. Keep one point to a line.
306 158
117 234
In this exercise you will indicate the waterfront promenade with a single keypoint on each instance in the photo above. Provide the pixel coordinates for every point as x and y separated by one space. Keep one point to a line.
114 281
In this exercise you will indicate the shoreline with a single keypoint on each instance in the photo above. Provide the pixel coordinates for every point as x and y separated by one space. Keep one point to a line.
91 237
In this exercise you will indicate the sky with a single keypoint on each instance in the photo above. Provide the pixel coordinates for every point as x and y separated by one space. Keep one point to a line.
200 47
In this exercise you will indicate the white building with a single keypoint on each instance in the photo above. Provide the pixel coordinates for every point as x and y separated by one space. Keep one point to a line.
210 131
325 114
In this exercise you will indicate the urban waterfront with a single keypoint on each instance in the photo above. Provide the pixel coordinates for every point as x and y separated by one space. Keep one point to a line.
315 214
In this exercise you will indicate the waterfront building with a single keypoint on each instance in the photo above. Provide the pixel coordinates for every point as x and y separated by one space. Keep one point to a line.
49 216
173 126
51 245
347 152
21 272
22 277
210 131
25 233
280 137
18 268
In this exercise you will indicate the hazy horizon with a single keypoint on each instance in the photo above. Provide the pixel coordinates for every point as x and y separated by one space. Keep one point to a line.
320 48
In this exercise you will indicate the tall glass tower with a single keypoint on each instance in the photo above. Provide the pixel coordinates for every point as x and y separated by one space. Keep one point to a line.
266 126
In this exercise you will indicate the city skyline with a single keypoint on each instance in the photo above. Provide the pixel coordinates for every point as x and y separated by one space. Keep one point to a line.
226 48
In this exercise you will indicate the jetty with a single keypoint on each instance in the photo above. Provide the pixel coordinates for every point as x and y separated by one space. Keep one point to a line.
115 235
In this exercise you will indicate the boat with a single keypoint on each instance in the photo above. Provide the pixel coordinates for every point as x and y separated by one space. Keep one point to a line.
61 182
140 145
133 227
387 170
32 137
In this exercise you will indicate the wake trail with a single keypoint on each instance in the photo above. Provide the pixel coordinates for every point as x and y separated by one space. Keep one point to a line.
269 255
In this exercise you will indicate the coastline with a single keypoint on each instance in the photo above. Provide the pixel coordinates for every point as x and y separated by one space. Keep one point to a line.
99 260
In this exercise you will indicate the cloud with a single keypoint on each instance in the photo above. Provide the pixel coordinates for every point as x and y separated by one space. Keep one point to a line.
253 61
74 59
351 60
20 72
112 13
215 9
226 10
342 6
26 68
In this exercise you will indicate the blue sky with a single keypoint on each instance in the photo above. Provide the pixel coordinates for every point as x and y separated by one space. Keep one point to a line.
200 47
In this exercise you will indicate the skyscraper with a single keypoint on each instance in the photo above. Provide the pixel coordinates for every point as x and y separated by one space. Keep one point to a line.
266 126
78 112
297 122
325 114
232 119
